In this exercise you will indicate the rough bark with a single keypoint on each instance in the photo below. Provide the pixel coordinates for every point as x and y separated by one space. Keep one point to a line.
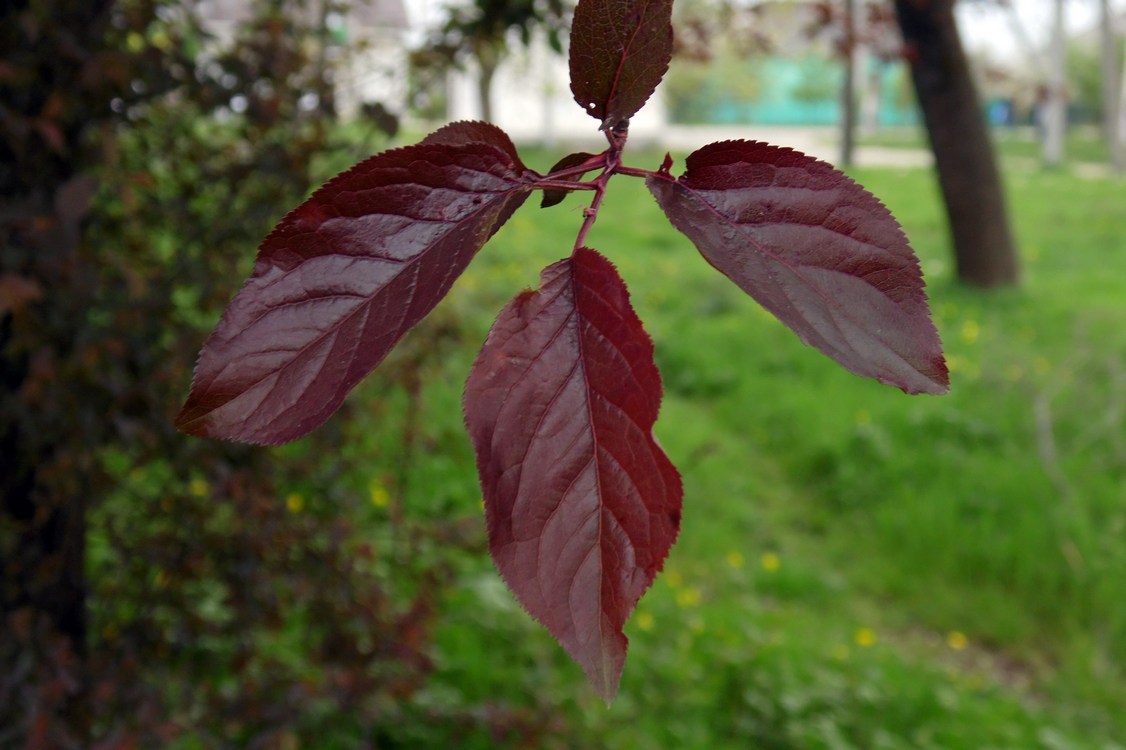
984 250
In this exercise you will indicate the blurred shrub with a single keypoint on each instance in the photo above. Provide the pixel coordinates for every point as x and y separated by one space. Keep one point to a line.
160 590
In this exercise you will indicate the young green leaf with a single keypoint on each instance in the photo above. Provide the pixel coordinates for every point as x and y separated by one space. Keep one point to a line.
815 249
620 50
344 276
582 504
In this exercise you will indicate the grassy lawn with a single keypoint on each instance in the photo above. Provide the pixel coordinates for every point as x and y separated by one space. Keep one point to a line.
1019 146
857 568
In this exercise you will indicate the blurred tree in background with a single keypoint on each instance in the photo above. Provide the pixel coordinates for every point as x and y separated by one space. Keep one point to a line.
479 31
922 34
157 588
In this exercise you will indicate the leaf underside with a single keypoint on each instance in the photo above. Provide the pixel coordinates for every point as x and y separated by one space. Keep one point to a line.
620 51
582 503
555 196
815 249
343 277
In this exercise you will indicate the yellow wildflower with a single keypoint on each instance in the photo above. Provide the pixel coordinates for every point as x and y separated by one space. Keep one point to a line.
770 562
294 502
645 621
970 331
956 640
688 597
379 494
865 638
734 559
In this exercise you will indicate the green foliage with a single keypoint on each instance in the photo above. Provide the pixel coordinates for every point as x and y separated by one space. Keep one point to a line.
693 90
866 570
1084 79
233 599
480 31
1018 148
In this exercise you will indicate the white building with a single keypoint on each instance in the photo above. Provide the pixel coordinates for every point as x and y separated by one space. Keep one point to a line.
532 100
369 54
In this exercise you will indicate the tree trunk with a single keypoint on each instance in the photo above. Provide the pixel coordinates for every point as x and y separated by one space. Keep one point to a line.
44 545
1108 58
1118 140
870 100
971 187
488 69
1054 111
42 516
848 87
47 419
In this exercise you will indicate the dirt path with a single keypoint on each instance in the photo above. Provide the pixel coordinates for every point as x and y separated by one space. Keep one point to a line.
816 141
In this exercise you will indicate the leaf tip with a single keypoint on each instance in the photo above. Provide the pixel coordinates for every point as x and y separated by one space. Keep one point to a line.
935 380
605 674
941 380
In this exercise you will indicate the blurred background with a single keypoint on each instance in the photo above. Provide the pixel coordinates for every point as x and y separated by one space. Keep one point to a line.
857 568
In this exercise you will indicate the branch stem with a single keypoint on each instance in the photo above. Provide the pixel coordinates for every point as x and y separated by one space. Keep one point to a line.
616 137
591 164
635 171
590 214
565 184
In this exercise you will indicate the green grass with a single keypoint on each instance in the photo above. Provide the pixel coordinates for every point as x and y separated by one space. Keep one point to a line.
1015 146
857 568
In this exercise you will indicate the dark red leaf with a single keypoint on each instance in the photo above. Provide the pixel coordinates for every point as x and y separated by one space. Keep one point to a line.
582 503
620 50
344 276
815 249
555 196
474 131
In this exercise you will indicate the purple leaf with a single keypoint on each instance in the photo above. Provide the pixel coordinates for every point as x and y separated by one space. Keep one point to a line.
343 277
473 131
620 50
816 250
555 196
582 504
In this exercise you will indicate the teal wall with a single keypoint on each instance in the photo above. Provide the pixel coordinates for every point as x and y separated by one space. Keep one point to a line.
796 91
